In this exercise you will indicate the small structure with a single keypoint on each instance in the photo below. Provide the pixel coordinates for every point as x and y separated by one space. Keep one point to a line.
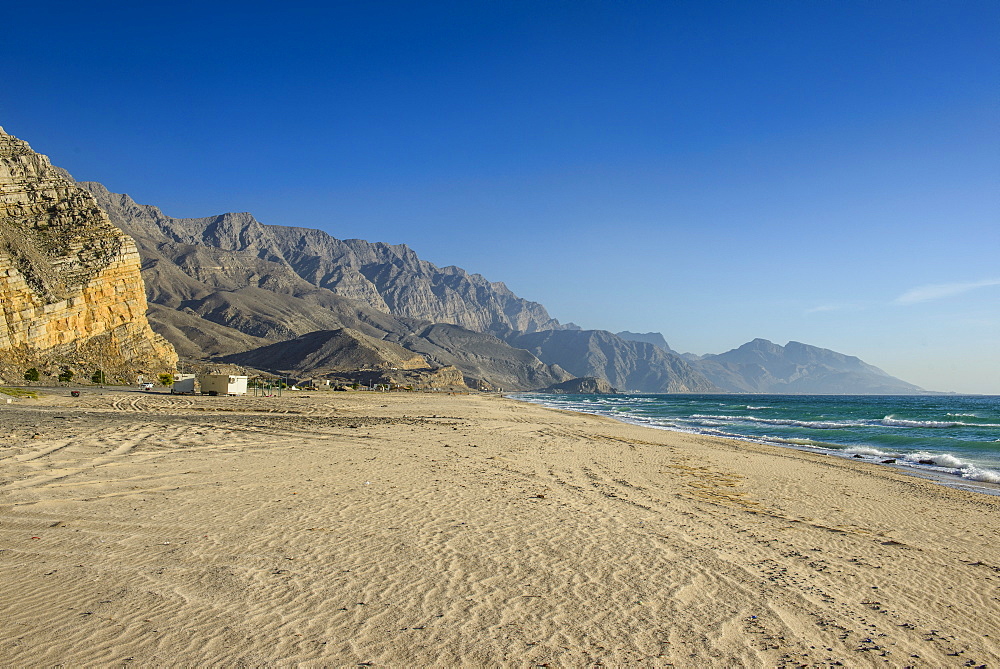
184 384
222 384
268 386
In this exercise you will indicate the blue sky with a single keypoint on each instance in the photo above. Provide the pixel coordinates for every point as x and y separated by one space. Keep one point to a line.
826 172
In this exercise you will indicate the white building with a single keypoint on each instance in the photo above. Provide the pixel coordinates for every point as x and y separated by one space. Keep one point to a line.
222 384
184 383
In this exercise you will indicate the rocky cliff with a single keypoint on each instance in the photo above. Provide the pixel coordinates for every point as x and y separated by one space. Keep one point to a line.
71 294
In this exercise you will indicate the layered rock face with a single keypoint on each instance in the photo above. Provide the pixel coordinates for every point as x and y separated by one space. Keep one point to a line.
70 290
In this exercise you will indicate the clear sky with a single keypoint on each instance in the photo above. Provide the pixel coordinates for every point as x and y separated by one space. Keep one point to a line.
819 171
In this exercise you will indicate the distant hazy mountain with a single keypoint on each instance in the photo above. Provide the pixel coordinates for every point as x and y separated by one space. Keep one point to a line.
654 338
761 366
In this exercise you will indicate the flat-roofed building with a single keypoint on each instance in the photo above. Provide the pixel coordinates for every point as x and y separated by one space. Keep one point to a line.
222 384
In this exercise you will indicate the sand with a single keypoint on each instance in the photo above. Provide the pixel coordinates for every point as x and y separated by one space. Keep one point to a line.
415 529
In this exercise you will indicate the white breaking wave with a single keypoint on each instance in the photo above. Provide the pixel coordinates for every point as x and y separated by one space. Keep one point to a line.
869 450
976 474
820 425
939 459
895 422
966 470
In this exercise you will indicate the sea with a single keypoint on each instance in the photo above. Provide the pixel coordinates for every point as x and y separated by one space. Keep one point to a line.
953 439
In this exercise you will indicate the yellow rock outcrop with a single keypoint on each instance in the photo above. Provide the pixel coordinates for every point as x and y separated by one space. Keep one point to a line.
70 290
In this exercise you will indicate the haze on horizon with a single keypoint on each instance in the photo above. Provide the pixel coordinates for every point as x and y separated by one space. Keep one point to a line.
820 172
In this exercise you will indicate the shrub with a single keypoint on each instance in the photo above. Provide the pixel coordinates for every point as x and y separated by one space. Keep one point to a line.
166 380
31 375
98 377
66 375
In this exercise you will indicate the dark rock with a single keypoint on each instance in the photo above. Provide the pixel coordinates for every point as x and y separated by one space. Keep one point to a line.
586 386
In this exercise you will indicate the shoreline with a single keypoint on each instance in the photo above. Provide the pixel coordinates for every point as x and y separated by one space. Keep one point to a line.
948 479
420 529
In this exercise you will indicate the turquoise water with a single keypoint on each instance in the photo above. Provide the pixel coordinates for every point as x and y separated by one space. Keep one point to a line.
945 436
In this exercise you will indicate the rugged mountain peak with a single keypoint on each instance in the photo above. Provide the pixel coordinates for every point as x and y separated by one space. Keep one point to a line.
387 277
654 338
760 344
70 290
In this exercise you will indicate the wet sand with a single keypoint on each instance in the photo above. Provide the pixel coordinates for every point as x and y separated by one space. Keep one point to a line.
330 529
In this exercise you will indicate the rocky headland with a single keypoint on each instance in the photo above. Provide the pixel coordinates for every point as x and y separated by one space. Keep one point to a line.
72 299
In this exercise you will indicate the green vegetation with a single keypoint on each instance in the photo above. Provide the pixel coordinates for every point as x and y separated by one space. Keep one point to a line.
66 375
31 375
98 377
166 380
17 392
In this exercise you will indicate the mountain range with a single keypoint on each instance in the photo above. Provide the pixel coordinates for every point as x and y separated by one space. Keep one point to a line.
298 301
226 285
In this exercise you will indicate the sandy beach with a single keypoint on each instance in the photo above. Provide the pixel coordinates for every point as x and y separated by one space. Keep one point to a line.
330 529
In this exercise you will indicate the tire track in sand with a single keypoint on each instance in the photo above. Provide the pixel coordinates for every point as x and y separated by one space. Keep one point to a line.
77 456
